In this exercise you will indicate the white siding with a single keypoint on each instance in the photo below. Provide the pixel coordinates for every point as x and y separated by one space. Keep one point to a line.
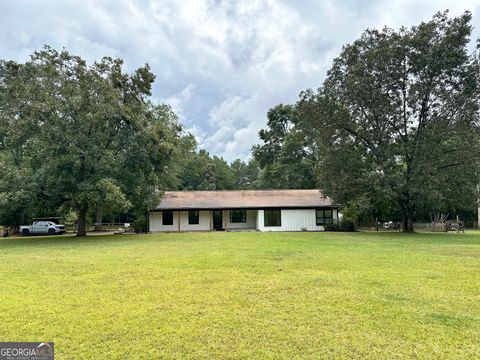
250 224
203 221
156 222
294 220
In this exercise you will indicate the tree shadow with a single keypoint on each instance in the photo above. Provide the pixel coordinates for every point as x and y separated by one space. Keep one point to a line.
55 241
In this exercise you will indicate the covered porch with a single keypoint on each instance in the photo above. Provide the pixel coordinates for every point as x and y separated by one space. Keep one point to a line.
204 220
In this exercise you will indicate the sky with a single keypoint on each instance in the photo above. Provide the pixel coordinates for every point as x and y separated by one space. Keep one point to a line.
219 64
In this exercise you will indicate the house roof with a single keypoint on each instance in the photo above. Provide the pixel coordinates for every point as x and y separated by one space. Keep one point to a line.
242 199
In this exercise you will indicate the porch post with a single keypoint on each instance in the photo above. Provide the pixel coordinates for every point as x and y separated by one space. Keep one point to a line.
178 217
478 218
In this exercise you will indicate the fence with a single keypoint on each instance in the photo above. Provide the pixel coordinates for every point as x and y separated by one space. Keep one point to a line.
418 226
430 227
97 227
396 227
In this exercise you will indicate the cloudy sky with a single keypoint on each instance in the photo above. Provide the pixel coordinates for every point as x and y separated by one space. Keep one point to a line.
220 64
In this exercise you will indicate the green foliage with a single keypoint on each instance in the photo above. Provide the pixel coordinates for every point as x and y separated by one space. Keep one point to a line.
87 138
285 156
353 211
347 225
331 227
202 172
245 174
70 217
397 120
81 137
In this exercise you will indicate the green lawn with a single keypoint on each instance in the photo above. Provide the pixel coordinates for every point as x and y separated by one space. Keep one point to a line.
245 295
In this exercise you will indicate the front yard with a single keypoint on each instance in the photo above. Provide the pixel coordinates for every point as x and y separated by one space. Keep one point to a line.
245 295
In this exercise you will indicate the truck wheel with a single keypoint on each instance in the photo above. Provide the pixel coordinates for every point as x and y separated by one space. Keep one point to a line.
26 232
51 231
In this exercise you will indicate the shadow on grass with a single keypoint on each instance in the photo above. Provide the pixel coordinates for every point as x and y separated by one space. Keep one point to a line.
46 241
467 238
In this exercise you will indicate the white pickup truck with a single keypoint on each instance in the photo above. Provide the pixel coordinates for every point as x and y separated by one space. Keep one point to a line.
42 228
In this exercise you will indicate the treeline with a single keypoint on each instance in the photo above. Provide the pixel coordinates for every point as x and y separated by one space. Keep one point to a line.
284 159
200 171
86 142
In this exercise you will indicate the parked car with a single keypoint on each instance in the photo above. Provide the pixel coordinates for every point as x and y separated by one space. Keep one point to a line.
391 225
42 228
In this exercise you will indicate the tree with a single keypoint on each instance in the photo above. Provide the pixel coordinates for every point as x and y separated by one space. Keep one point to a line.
203 172
82 137
397 119
245 174
285 156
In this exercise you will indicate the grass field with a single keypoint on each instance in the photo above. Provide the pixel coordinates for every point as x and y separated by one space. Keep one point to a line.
245 295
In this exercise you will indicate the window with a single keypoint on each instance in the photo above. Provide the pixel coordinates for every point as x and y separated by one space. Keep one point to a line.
167 218
272 217
193 217
324 216
238 216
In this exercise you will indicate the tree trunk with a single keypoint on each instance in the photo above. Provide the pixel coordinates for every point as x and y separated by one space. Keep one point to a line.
82 221
98 219
147 217
408 214
407 224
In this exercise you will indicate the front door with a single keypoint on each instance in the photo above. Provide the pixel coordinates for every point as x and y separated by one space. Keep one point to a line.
217 220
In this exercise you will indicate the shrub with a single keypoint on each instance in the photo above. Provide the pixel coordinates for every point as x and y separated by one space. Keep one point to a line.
331 227
347 225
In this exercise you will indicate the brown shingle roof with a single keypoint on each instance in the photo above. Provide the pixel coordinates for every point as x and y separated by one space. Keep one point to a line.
243 199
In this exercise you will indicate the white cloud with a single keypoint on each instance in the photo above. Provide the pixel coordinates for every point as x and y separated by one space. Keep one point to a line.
179 101
199 134
230 119
220 64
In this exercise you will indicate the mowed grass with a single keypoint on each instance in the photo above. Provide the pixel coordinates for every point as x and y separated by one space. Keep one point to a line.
245 295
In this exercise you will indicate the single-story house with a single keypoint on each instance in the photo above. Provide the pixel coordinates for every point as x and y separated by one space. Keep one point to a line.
262 210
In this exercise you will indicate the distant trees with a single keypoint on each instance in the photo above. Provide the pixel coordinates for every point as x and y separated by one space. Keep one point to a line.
203 172
245 174
286 155
285 158
81 137
200 171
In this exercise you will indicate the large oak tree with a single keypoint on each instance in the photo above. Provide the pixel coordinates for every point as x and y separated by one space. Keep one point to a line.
397 119
81 137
